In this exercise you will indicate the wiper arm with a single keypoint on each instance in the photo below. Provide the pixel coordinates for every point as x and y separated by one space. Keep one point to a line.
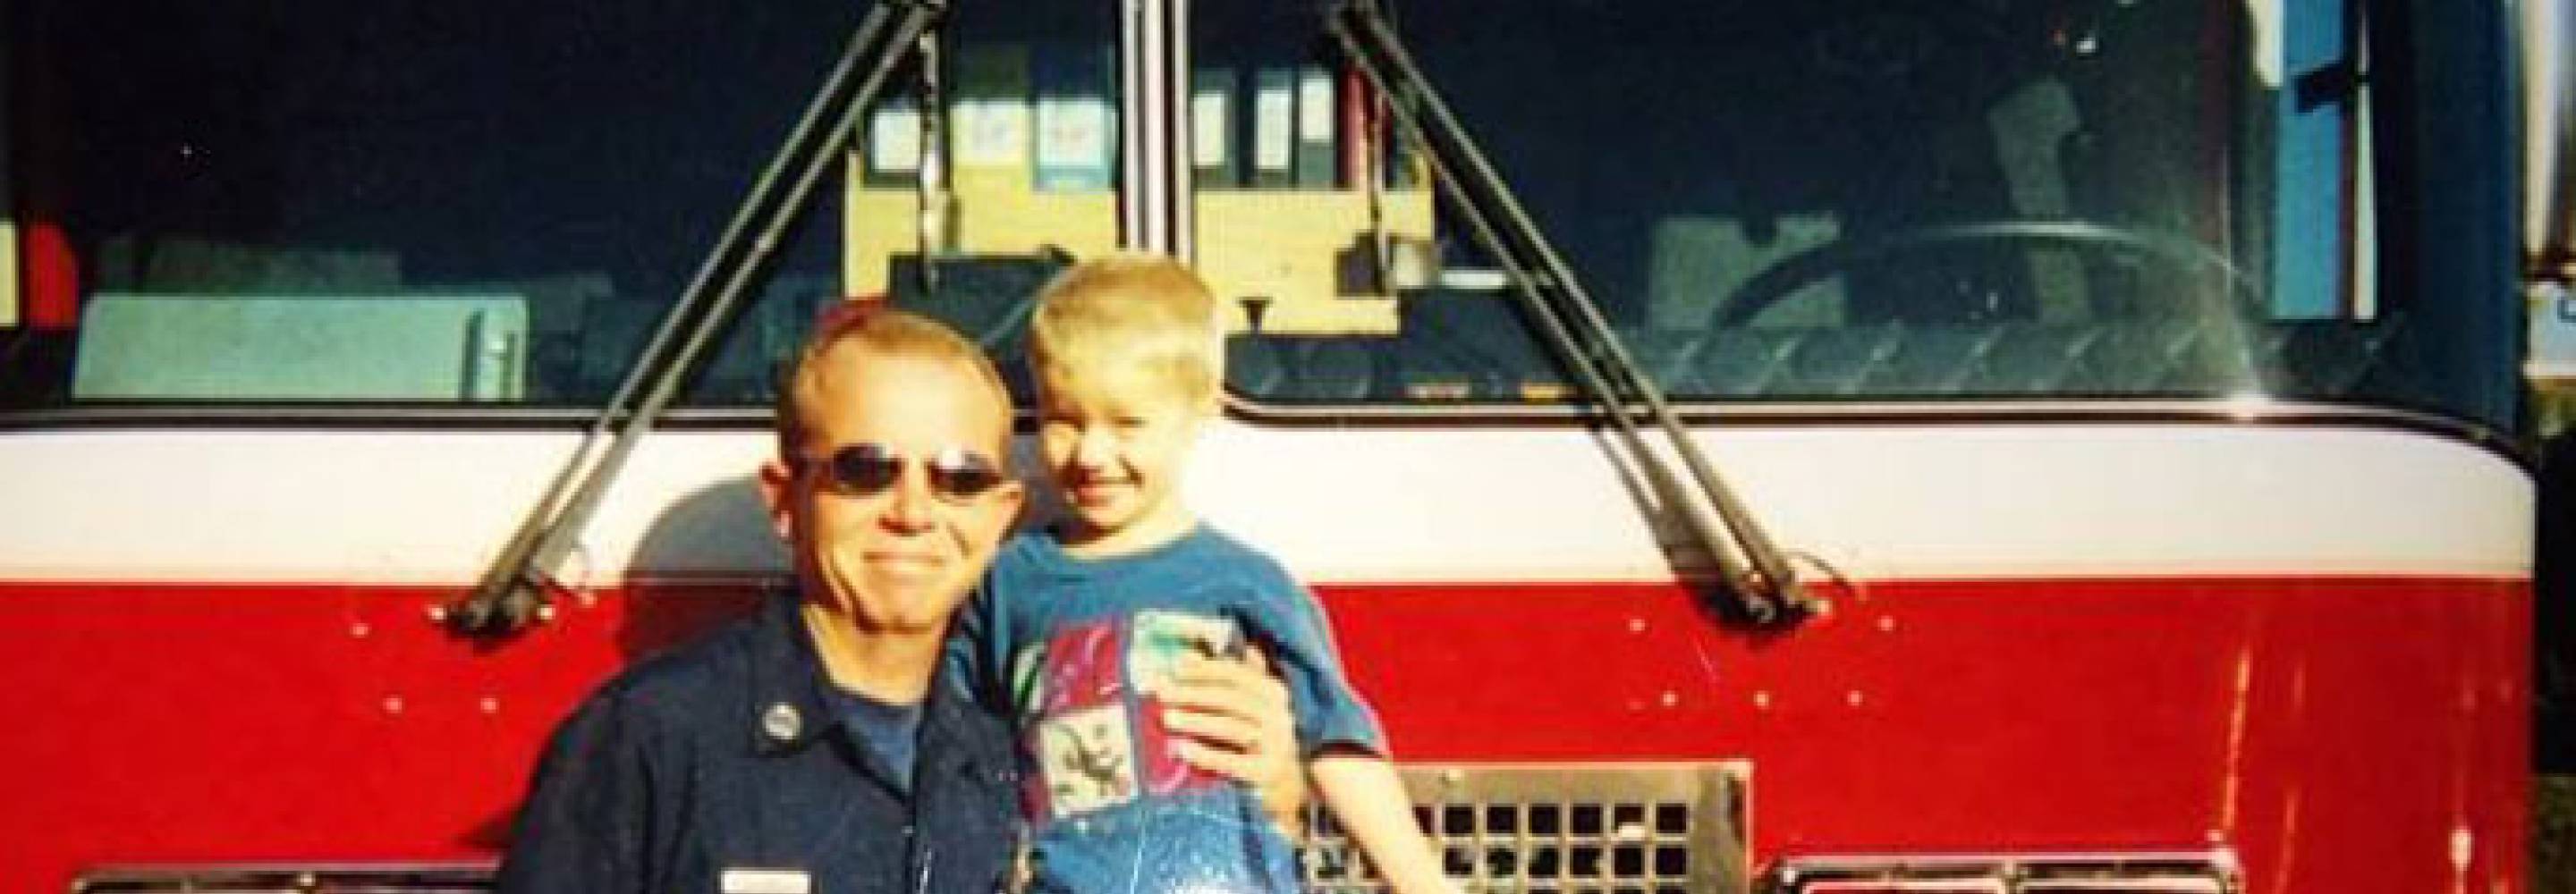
515 589
1757 575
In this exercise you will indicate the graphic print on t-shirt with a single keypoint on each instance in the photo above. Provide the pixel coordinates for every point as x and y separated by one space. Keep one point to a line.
1089 761
1164 638
1094 725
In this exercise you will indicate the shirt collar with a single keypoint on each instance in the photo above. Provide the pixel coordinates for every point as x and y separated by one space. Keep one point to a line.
790 706
792 702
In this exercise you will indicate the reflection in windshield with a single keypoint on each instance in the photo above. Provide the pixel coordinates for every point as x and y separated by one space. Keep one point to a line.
1745 134
1904 200
562 165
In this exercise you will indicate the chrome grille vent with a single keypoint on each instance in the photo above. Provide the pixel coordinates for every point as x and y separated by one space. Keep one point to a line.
1562 829
2212 872
429 879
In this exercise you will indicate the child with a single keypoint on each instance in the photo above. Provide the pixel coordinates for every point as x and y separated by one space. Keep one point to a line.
1083 621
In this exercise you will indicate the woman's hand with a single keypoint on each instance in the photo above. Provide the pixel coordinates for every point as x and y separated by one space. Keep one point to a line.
1235 720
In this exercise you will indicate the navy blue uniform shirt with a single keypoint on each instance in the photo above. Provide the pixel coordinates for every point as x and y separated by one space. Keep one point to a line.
728 765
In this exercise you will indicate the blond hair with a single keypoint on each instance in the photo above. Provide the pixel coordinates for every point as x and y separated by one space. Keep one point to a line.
886 332
1139 309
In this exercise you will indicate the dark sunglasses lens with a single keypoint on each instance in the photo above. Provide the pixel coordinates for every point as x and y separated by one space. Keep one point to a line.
868 469
963 474
864 468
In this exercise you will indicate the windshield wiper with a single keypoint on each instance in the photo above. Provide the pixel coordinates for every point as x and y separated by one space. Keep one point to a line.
1756 573
514 590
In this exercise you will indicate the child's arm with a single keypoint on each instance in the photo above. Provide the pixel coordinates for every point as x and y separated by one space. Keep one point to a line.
1368 799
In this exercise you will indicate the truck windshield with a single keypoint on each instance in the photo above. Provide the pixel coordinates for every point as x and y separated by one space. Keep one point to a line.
1773 201
1839 201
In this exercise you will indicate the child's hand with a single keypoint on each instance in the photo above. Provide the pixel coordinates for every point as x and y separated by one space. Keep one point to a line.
1237 721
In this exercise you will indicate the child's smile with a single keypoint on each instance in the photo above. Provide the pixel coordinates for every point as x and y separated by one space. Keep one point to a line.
1115 440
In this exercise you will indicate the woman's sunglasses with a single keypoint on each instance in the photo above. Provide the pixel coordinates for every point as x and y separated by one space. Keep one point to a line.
867 469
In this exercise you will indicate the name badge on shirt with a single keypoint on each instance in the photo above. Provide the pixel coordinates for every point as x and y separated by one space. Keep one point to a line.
765 881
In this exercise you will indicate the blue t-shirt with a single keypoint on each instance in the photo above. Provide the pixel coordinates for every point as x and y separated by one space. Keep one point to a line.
890 730
1073 649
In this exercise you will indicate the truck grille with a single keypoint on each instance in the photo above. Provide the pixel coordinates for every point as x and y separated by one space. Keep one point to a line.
1657 828
1562 829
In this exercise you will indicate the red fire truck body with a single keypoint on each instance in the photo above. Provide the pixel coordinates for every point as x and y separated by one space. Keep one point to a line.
2165 600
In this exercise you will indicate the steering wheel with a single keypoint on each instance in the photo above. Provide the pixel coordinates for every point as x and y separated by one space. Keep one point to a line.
1807 267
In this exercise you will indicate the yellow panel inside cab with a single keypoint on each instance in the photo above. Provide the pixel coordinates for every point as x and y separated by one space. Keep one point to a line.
1286 247
995 213
8 271
1290 247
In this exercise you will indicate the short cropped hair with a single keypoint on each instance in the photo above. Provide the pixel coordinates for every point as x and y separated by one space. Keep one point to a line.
1129 309
885 331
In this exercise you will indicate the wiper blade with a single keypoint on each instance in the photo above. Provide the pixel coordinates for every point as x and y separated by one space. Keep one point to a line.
1756 573
515 589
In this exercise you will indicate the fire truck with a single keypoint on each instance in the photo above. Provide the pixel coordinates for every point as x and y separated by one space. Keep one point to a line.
1849 446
